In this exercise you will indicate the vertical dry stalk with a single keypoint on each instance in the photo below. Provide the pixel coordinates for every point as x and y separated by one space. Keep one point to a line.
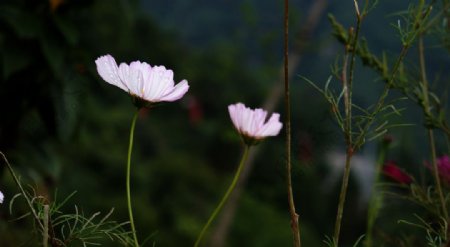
45 233
294 215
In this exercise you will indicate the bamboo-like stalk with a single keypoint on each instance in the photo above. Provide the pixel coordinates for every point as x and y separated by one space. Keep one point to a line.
294 216
46 220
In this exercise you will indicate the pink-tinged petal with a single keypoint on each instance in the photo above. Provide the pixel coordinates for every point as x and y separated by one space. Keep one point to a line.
178 92
232 109
132 76
259 117
151 84
108 70
159 81
146 69
272 127
252 125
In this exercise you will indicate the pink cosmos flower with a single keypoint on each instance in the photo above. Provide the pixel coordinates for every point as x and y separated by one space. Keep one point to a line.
391 170
252 124
142 81
443 165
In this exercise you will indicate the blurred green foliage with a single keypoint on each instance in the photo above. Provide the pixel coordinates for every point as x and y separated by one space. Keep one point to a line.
63 128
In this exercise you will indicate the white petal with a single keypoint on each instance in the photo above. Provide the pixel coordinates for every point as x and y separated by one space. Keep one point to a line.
233 115
252 122
107 69
146 69
1 197
272 127
136 78
177 92
160 82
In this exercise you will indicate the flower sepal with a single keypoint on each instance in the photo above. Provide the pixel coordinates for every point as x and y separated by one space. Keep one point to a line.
250 140
139 102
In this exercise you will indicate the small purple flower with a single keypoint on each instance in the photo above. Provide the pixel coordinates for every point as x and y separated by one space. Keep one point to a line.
252 124
142 81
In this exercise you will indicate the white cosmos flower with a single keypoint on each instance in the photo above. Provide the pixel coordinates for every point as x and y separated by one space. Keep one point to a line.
1 197
252 124
151 84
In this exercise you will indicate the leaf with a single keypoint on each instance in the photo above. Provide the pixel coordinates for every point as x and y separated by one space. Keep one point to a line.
66 28
14 59
26 25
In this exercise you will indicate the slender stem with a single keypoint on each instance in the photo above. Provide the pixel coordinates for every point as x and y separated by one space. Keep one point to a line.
347 84
46 219
340 211
436 173
16 180
376 197
294 216
130 149
225 197
426 106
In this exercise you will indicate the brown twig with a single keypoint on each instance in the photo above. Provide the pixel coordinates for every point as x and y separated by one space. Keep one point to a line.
287 105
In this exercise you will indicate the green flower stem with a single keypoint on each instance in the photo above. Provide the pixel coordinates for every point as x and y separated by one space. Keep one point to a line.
376 197
225 197
130 148
342 195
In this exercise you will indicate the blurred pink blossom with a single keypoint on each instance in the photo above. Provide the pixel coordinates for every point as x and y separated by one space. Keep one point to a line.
252 124
147 83
391 170
443 165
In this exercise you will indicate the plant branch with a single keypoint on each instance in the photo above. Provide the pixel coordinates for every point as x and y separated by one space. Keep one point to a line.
430 133
380 103
30 205
347 84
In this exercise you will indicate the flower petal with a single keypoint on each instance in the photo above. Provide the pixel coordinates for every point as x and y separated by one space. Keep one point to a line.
156 83
152 84
177 92
252 125
232 109
272 127
132 76
107 69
